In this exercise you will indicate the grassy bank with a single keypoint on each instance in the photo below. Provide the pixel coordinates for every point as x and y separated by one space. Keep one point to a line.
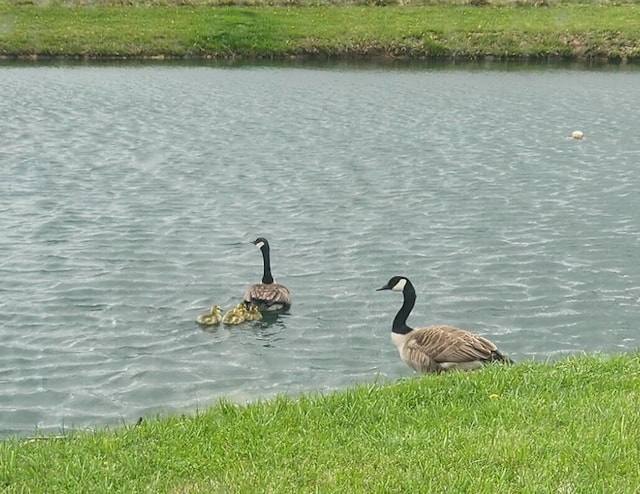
571 426
196 29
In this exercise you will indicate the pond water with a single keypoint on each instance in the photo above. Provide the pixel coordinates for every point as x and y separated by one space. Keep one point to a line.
129 195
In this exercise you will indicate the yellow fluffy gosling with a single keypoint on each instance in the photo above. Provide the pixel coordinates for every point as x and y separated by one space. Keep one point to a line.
211 318
236 315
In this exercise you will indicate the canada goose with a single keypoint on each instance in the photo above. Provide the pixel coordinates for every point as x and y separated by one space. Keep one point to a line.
235 315
253 313
436 348
267 295
214 316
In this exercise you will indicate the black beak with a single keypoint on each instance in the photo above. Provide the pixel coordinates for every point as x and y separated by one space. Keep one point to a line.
386 287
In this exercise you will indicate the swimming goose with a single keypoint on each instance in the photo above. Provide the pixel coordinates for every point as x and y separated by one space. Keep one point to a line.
214 316
235 315
437 348
267 295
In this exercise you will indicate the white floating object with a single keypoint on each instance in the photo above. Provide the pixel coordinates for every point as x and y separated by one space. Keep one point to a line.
577 134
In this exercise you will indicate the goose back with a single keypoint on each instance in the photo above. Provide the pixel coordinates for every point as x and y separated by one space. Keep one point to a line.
441 348
268 296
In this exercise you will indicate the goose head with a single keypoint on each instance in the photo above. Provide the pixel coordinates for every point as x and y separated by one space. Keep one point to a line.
261 243
396 284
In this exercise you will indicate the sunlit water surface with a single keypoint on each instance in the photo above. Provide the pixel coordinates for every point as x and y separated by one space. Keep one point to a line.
129 196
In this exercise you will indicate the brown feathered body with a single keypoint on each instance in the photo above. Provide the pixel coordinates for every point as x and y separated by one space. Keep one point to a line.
268 296
442 348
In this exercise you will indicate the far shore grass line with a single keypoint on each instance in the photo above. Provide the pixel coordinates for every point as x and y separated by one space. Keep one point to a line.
563 427
191 29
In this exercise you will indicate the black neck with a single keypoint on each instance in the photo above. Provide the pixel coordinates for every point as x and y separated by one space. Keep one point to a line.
266 277
400 321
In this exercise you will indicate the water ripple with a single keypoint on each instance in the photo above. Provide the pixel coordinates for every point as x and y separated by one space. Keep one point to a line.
129 196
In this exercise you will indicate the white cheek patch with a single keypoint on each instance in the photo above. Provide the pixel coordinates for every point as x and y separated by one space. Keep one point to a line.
398 287
259 245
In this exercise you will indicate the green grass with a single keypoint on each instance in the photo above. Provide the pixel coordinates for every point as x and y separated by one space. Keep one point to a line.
569 30
570 426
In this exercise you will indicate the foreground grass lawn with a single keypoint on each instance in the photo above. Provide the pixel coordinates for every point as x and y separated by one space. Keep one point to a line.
183 29
571 426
